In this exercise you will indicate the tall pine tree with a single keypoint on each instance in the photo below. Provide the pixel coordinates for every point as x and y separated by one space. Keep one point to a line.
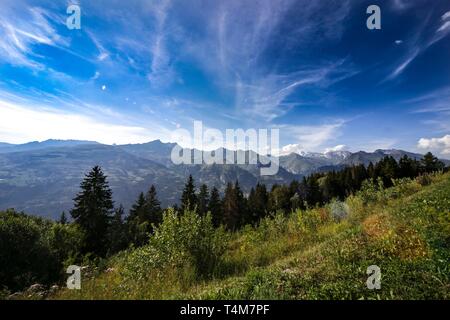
138 209
92 211
144 214
430 163
243 214
63 218
203 200
188 197
215 207
153 212
230 208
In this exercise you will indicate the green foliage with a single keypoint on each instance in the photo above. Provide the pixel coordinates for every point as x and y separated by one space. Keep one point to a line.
269 227
308 254
203 200
235 213
424 179
310 220
258 202
280 199
430 163
23 251
92 211
144 214
66 241
117 232
33 249
408 241
180 242
371 191
188 197
283 244
215 207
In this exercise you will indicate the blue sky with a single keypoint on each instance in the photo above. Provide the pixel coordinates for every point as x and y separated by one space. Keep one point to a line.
138 70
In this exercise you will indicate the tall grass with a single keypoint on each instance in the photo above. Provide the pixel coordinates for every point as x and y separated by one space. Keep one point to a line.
319 253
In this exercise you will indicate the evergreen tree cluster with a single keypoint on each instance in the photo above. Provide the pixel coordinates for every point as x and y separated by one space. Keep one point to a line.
107 231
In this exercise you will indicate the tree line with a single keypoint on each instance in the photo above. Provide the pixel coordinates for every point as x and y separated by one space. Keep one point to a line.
34 249
107 230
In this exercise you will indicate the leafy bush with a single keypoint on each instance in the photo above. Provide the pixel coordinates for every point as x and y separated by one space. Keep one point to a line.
401 187
309 220
424 179
269 227
65 241
33 249
357 209
179 242
25 254
371 191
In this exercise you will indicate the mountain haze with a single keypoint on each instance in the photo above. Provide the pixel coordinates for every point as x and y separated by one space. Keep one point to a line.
42 178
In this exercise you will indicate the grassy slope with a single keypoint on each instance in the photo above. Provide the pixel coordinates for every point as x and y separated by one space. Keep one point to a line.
308 255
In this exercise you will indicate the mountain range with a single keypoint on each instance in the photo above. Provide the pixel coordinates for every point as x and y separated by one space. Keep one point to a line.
42 178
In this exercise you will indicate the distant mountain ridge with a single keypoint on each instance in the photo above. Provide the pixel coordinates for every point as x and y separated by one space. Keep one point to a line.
43 177
36 145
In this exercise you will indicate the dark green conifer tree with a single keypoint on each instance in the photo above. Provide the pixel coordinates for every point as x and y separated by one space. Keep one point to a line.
153 212
230 208
93 210
430 163
117 232
215 207
63 218
203 200
188 197
137 211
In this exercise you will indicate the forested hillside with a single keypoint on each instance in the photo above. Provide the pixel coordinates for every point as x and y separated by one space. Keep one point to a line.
312 239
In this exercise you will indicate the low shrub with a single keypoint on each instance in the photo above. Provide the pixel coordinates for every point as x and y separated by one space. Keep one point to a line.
25 253
424 179
181 242
371 191
310 219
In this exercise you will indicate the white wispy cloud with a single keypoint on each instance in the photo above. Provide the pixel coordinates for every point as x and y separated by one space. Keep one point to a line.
102 52
445 23
237 35
18 36
401 5
439 107
412 55
439 125
162 72
435 106
268 98
418 45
